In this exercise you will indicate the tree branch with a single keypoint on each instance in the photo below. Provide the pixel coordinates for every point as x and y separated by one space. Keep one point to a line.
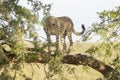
80 59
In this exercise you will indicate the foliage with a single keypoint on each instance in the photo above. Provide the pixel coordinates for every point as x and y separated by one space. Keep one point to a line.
54 67
109 26
16 24
108 29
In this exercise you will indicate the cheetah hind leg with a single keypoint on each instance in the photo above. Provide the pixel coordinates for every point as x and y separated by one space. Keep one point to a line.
71 42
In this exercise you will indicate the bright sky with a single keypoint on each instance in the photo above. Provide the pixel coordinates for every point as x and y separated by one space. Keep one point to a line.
80 11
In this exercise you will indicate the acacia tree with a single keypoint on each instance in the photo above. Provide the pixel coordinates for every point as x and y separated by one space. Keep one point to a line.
17 23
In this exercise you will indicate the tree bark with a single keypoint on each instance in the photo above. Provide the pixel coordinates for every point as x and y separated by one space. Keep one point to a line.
85 60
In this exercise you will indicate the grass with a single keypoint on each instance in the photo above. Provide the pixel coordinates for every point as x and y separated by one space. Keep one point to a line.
35 71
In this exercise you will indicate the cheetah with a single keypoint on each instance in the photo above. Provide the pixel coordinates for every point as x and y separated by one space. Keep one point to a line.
60 27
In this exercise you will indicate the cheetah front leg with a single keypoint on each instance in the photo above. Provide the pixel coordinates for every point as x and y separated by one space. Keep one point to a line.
49 43
57 42
62 37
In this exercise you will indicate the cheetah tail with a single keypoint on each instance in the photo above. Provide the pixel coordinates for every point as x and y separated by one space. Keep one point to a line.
80 33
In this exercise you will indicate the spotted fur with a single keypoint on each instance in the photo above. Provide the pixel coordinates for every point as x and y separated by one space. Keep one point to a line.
60 27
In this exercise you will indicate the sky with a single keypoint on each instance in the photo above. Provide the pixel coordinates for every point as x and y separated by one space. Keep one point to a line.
80 11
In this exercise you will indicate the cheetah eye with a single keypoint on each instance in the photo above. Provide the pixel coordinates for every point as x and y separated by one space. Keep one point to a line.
53 24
